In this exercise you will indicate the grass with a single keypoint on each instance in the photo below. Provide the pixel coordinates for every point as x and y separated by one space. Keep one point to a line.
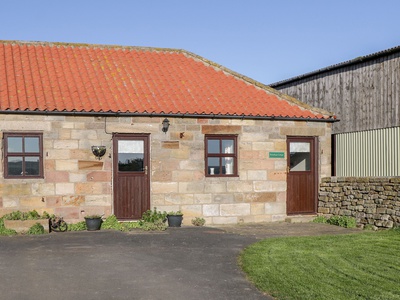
357 266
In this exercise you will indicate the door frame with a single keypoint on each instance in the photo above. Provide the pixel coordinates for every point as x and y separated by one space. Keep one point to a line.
146 163
315 158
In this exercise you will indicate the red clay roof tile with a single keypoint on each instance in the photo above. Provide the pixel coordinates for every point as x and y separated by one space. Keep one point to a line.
50 77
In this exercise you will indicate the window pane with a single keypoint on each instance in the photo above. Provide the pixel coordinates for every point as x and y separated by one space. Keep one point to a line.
213 165
227 165
227 146
303 147
32 166
130 156
300 156
32 144
14 144
14 166
213 146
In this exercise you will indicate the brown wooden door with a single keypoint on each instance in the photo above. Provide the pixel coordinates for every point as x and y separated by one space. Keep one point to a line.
302 175
131 176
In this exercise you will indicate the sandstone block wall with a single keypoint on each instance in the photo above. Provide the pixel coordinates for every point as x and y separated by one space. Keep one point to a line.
371 200
76 184
258 194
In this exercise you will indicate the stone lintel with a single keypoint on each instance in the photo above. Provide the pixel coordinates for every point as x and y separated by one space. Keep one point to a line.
220 129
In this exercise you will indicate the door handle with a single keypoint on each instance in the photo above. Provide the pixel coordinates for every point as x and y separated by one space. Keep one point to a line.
145 170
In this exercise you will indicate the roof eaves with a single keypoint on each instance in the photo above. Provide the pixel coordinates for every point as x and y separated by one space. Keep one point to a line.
170 114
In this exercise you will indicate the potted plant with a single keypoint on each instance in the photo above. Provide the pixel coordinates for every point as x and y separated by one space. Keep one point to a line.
175 218
93 222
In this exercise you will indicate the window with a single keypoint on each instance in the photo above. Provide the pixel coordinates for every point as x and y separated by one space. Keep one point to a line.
221 155
300 156
23 155
130 156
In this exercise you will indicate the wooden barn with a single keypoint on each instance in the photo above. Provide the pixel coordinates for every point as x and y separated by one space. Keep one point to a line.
364 93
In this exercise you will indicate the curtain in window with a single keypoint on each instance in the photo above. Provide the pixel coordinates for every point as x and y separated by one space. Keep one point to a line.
228 160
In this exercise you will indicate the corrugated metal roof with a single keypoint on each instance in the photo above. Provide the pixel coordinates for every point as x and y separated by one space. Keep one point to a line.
339 65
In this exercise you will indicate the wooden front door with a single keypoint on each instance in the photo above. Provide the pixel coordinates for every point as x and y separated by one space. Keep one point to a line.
302 176
131 176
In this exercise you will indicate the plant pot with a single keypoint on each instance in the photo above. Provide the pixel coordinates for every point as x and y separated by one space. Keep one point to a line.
174 221
93 223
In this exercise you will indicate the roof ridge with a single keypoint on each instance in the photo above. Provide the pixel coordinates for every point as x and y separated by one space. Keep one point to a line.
88 45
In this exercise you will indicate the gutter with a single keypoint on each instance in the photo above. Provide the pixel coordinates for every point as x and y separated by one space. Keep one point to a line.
176 115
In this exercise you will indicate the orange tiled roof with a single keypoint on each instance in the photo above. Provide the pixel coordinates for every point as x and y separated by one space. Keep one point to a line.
56 77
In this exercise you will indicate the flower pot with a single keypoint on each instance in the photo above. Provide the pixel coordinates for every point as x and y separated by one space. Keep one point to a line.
174 221
93 223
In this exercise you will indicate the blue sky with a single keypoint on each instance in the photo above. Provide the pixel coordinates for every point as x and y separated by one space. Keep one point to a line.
266 40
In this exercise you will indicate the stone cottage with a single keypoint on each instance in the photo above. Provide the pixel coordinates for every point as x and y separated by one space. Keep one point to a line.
118 130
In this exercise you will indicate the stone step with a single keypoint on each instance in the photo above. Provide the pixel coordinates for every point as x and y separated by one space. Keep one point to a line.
300 218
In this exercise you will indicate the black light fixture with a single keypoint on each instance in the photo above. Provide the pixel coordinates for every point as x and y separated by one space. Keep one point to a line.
99 151
165 125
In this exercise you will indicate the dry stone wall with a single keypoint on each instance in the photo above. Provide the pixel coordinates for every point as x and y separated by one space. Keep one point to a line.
371 200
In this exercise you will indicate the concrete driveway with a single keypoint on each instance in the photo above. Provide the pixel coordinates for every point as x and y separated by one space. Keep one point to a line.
180 263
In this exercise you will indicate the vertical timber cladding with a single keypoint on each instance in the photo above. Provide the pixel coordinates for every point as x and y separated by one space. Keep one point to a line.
368 153
363 95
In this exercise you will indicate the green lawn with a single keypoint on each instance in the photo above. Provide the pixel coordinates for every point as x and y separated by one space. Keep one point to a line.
357 266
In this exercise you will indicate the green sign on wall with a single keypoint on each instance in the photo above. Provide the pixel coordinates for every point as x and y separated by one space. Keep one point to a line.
277 155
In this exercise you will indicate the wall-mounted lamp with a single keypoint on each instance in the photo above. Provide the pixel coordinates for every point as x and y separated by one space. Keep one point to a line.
99 151
165 125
